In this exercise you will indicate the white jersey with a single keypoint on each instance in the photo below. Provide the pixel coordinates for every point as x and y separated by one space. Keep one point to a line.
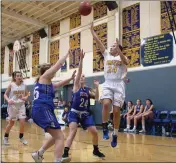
113 69
17 92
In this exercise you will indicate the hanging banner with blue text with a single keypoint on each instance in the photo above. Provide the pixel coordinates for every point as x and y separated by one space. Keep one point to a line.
131 34
98 59
74 45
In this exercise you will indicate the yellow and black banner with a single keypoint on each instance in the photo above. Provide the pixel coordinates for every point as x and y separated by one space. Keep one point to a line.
98 59
75 41
54 51
75 20
35 53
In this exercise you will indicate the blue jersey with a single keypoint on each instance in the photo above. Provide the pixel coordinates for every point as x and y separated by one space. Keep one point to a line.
138 108
43 94
81 99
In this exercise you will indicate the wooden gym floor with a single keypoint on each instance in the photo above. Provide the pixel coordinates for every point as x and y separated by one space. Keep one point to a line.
131 147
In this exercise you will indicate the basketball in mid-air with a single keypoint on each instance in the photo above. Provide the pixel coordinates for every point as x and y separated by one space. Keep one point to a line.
85 8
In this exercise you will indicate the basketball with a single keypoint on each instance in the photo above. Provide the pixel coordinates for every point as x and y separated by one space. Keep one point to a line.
85 8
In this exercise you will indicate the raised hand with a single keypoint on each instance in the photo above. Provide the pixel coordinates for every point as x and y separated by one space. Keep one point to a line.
117 41
80 53
96 83
69 52
73 75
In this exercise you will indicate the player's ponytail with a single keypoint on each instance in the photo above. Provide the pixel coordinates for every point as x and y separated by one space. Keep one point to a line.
41 70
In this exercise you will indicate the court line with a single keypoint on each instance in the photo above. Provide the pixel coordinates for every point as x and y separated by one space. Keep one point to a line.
104 146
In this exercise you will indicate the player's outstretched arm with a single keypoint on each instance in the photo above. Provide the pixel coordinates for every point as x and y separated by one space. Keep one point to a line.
124 59
50 72
94 93
64 82
98 41
78 76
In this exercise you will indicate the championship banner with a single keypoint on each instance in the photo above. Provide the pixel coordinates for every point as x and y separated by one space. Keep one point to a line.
54 51
98 59
55 29
99 10
11 54
2 59
165 22
74 45
75 20
131 34
35 53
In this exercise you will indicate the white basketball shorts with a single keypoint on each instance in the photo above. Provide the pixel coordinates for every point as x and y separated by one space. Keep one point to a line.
16 112
115 91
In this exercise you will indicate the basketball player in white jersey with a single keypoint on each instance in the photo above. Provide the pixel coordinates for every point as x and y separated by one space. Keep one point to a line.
113 89
16 94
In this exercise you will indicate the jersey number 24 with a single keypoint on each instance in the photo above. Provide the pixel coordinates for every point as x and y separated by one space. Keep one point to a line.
84 103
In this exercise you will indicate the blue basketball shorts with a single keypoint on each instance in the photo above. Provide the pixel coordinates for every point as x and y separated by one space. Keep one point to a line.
43 115
86 119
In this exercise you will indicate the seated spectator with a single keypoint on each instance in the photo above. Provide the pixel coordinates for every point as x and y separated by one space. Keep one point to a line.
125 113
137 110
129 110
147 114
65 116
59 104
64 103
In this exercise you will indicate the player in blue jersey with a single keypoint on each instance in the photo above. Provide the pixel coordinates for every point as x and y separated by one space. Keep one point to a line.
43 109
80 113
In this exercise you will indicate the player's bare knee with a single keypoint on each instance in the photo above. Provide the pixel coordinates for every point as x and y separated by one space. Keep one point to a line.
106 103
22 122
93 131
60 136
73 132
11 123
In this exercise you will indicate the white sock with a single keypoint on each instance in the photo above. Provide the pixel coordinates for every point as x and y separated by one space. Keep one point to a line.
143 127
41 151
116 131
58 160
128 126
134 128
